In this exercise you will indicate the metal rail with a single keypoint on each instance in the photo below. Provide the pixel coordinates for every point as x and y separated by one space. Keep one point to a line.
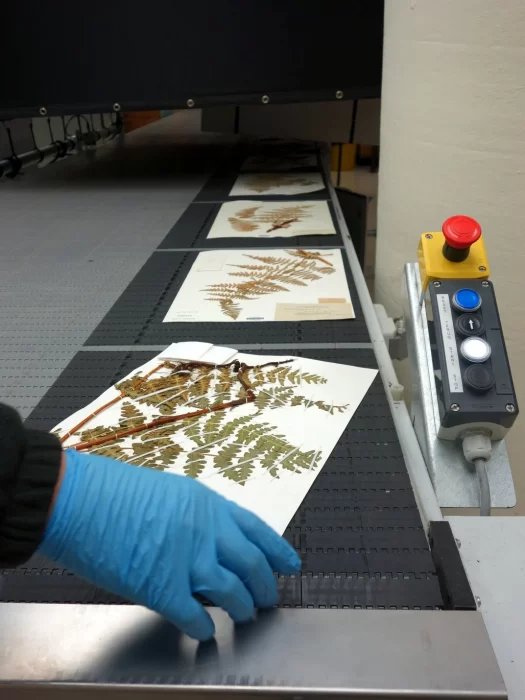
10 167
423 490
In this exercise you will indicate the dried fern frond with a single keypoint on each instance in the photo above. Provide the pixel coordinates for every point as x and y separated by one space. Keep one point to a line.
230 308
95 433
113 451
263 182
261 287
310 254
238 295
298 211
252 267
247 213
268 259
275 274
240 225
222 286
131 415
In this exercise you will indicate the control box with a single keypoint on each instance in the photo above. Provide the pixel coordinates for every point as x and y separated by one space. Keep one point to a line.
471 367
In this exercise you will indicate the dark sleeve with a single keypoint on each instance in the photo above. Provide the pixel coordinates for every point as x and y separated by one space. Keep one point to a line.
29 469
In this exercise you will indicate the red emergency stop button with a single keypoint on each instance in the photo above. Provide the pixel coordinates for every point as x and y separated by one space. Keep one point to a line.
460 233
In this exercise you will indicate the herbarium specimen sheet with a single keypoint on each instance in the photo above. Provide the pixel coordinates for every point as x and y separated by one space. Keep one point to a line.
255 219
263 285
271 184
257 429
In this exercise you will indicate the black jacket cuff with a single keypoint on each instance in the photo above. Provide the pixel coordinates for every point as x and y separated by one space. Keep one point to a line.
29 469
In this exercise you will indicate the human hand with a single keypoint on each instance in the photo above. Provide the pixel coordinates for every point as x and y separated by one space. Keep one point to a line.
158 538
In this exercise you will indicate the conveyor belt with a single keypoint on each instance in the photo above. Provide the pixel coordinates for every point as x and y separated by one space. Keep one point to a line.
191 231
358 530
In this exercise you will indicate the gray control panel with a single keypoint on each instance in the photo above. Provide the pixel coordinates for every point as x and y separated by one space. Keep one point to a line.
471 367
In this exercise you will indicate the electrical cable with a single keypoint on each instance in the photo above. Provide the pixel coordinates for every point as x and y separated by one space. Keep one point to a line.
16 165
78 117
484 488
477 448
11 166
32 130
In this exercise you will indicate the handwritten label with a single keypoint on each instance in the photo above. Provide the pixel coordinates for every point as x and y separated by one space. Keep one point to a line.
313 312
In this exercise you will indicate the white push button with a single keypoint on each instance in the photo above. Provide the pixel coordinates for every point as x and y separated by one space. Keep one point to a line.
475 350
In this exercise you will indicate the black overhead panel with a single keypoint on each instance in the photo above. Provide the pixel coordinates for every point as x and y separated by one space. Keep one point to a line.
85 57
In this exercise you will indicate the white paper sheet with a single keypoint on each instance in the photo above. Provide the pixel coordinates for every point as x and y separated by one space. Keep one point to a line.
255 219
247 285
270 184
264 455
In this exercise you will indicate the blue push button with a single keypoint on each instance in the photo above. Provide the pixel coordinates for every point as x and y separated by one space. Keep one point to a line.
466 300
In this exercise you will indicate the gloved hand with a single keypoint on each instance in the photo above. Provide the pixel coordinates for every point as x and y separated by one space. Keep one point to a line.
157 538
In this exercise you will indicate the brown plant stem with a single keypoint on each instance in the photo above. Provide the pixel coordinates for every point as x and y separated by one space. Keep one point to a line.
100 409
162 421
283 224
311 255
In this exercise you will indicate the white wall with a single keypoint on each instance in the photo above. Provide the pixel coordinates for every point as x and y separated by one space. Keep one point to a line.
453 141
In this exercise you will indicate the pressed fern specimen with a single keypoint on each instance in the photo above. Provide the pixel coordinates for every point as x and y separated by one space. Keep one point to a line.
199 430
262 182
250 218
199 380
268 275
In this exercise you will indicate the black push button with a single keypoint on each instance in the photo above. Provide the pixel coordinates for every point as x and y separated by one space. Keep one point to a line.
470 324
479 378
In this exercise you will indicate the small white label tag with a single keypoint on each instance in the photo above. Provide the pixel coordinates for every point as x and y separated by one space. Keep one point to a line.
455 382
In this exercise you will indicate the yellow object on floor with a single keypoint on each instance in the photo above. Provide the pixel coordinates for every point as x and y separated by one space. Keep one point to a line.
134 120
347 153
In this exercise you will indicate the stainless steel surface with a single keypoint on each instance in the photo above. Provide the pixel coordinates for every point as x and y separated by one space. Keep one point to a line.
493 553
354 653
454 480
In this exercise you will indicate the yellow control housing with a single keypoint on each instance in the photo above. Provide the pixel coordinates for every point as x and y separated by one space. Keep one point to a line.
434 266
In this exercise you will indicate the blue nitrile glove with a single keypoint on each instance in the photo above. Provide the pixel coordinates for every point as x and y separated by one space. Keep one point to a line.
156 538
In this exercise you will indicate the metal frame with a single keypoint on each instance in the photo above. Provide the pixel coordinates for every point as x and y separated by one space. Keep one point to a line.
454 480
126 651
493 553
187 101
421 484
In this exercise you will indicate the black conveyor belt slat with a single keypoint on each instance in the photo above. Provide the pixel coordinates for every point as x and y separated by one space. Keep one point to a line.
332 591
358 530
